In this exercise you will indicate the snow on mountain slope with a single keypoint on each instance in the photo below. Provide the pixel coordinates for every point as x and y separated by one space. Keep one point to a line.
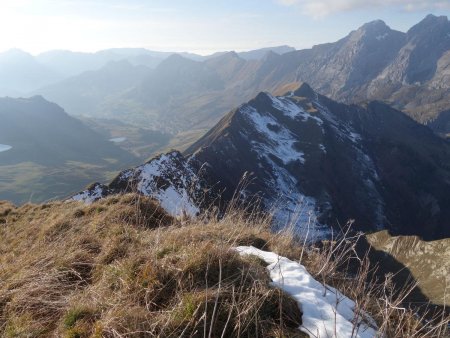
289 144
168 178
276 146
93 193
326 312
179 178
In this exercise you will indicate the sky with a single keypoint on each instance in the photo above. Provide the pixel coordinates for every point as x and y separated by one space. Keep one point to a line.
199 26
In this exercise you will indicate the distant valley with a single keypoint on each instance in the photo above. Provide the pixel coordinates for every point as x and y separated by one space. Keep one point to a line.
46 154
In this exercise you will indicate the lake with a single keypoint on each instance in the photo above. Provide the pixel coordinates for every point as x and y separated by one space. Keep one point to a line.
4 147
118 139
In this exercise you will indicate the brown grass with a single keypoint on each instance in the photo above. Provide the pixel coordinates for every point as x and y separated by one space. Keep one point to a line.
122 267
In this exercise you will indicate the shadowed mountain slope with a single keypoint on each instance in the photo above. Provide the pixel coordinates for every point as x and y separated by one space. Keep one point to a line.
312 158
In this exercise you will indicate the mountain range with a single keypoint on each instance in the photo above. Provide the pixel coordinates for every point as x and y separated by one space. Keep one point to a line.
406 70
23 73
372 149
316 162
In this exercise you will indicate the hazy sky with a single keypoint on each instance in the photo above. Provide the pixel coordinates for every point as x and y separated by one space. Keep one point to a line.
201 26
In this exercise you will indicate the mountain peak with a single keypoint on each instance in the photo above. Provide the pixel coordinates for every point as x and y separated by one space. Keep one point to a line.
263 98
430 22
305 90
301 89
16 54
377 29
175 60
270 56
232 54
228 56
435 18
175 57
375 24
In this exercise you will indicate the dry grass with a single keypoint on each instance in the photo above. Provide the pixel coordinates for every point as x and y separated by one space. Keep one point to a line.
122 267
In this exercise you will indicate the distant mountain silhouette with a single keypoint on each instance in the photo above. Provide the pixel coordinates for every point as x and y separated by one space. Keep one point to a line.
374 62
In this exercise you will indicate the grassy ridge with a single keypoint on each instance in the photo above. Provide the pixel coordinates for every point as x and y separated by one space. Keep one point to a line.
122 267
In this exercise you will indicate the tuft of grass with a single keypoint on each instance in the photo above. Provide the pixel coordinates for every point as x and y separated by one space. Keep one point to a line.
77 314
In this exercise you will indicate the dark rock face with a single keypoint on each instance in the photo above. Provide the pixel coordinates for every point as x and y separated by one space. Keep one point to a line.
372 163
310 158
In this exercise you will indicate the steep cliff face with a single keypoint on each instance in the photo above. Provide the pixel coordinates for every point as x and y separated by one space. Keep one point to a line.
429 262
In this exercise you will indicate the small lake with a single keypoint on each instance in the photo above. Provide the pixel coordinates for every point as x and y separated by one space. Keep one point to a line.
118 139
4 147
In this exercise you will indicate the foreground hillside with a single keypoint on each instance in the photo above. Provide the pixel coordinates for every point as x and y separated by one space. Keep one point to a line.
122 267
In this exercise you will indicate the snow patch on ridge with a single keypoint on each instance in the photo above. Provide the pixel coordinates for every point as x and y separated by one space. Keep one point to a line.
274 141
169 179
90 195
178 179
292 110
326 311
5 147
279 141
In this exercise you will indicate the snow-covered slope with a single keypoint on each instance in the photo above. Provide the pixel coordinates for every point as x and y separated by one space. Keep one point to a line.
326 312
92 193
169 178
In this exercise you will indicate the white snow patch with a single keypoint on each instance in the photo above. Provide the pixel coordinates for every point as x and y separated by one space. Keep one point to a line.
382 37
4 147
89 196
279 143
167 179
176 203
290 207
354 137
174 198
292 110
326 311
118 139
322 147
